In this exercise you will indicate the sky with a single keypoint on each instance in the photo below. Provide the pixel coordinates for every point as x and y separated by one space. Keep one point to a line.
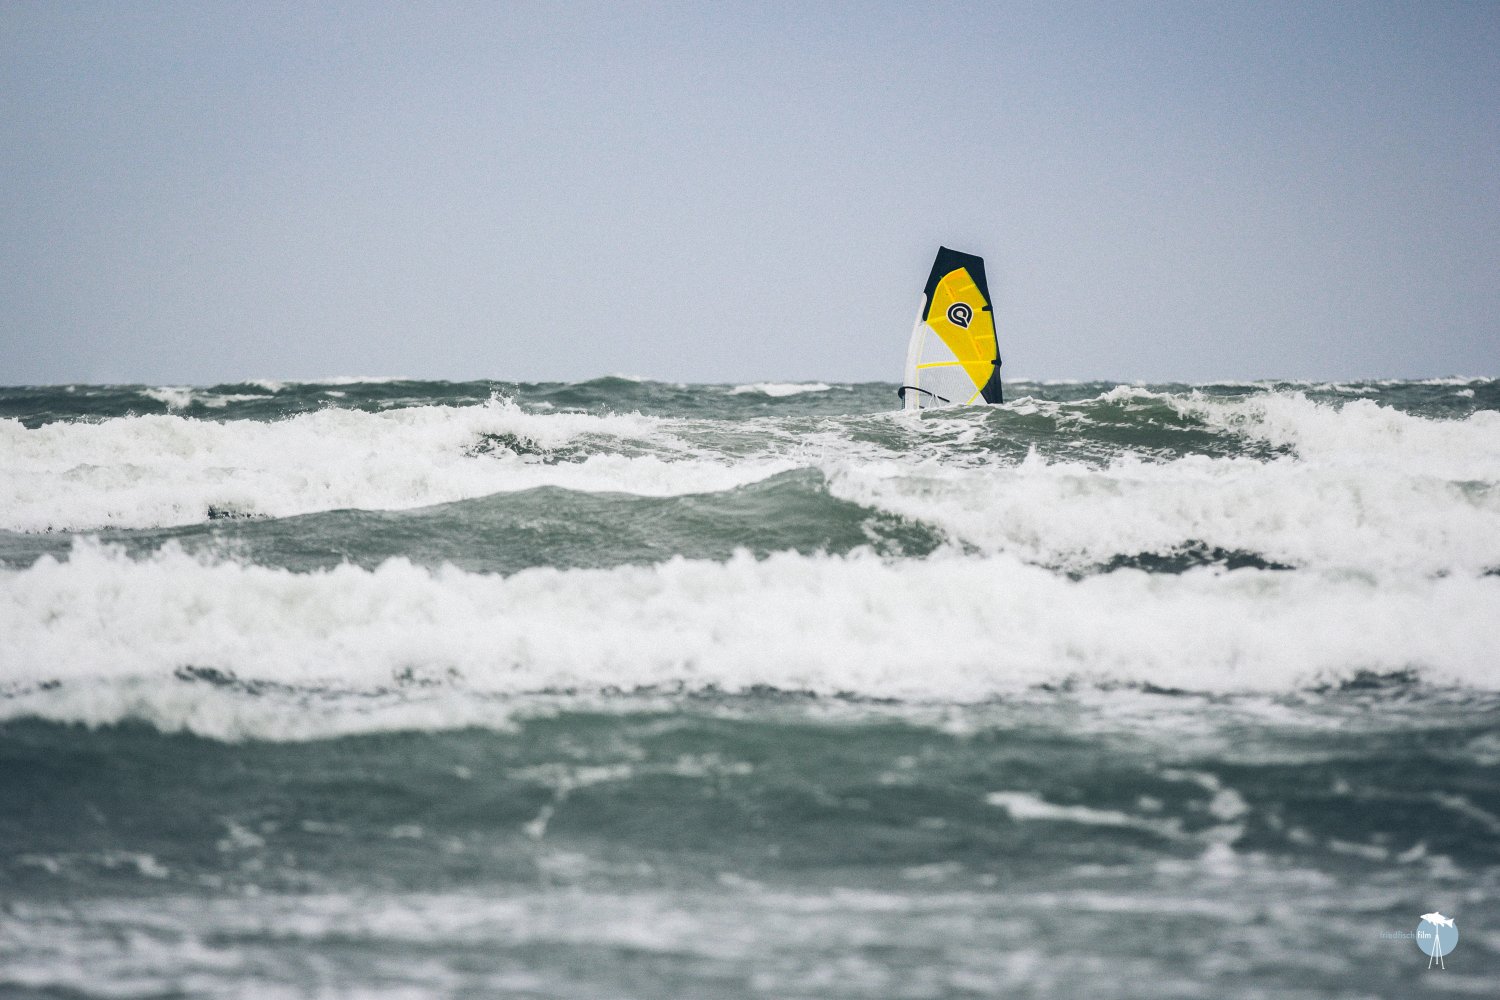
723 192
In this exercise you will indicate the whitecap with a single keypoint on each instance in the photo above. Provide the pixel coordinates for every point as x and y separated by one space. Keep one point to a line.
114 632
779 389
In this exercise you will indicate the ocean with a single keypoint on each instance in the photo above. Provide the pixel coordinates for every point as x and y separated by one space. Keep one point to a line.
632 689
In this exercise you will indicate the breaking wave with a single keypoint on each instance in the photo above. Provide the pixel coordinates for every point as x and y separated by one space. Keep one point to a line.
948 628
388 554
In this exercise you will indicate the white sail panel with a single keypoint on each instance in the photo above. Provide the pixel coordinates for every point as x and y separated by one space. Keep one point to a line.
934 375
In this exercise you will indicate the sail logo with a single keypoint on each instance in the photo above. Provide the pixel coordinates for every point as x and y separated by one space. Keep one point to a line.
959 314
1436 936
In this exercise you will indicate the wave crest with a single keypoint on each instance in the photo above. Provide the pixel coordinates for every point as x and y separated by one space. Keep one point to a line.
948 628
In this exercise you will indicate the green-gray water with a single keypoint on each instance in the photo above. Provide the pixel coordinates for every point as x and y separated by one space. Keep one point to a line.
629 689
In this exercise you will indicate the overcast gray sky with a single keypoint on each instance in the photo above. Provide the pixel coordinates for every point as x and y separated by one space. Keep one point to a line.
725 192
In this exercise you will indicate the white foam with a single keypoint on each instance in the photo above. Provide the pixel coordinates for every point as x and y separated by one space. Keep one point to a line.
1023 806
174 397
1297 513
1359 433
152 471
1362 486
1447 380
779 389
950 628
380 944
182 397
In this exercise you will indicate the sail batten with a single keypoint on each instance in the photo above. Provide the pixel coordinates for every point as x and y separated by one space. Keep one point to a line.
953 358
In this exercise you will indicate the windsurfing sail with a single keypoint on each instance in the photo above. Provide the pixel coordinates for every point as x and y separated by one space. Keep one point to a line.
954 358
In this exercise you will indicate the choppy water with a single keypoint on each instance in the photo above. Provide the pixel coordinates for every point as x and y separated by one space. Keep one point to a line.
632 689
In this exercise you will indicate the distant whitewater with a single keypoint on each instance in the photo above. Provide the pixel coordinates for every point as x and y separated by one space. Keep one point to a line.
370 671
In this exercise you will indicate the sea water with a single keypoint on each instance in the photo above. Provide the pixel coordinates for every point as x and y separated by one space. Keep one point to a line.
623 688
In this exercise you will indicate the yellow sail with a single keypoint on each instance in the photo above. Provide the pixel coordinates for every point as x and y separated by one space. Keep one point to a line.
954 358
